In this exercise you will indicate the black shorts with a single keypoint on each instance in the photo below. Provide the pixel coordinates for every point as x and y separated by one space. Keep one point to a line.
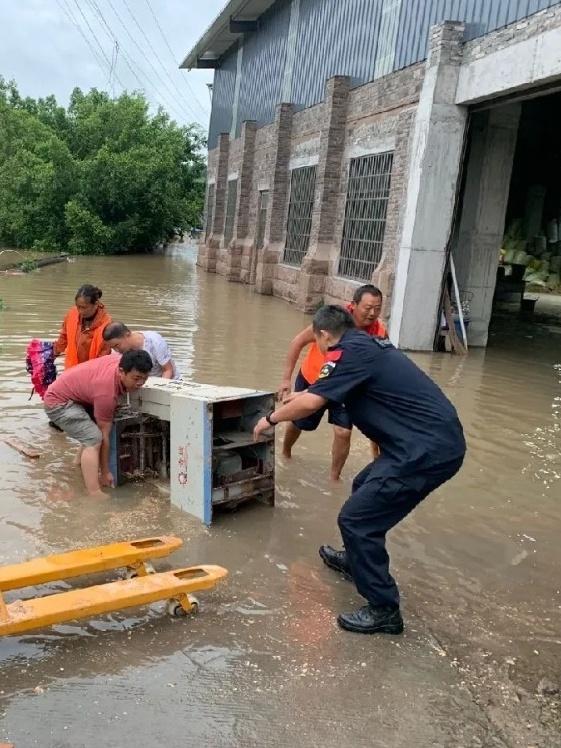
336 414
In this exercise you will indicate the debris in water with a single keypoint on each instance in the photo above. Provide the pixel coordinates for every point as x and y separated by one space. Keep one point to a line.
547 687
24 449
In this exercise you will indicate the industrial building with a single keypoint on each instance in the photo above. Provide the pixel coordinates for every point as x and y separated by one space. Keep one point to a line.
357 141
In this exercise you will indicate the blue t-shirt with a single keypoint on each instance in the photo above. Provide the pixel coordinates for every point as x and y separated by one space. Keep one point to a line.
392 402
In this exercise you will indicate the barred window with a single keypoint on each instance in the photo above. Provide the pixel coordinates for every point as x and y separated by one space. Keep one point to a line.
302 190
209 210
230 211
365 215
262 218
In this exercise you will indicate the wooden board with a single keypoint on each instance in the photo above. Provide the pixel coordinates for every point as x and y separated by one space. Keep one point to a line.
24 449
455 341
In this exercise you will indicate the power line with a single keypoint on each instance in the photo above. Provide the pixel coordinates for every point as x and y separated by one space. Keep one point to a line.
188 114
154 52
67 11
114 59
92 32
172 55
113 37
130 62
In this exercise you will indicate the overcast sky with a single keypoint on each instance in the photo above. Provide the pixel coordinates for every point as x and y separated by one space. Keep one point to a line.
44 48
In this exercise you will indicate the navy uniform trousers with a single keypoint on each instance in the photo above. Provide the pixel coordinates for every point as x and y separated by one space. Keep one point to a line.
381 497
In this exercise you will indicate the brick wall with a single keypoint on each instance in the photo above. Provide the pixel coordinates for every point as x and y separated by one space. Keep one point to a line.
262 167
234 158
519 31
378 116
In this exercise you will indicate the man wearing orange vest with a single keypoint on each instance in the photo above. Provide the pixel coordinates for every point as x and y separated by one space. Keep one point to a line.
365 308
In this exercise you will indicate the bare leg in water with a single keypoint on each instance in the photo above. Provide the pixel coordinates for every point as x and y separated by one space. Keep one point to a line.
339 451
291 436
90 470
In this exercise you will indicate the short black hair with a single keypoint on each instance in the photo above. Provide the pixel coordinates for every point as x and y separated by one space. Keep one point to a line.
115 330
91 293
333 319
138 360
363 290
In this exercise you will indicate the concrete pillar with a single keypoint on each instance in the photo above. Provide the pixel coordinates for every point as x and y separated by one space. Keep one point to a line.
315 266
221 187
230 257
384 274
208 250
274 230
484 204
431 194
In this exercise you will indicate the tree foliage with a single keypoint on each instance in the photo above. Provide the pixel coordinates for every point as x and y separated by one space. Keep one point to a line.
102 176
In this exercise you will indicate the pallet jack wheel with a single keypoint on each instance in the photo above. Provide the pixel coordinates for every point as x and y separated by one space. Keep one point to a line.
133 573
176 610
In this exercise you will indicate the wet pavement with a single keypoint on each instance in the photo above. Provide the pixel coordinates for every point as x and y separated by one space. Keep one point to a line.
264 663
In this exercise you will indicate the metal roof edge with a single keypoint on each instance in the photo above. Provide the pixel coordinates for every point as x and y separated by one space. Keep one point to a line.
220 24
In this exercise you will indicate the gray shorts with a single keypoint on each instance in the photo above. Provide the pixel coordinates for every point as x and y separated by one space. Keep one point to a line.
73 419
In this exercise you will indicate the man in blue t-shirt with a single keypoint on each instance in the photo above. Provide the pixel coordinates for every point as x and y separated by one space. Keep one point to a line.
422 446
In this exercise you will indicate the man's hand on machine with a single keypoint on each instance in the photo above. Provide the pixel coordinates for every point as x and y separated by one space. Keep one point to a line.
283 390
264 424
106 480
302 404
290 396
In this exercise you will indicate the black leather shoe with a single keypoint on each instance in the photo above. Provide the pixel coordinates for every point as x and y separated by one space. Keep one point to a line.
336 560
372 620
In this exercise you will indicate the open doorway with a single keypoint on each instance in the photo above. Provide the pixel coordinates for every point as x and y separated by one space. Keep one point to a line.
532 241
507 244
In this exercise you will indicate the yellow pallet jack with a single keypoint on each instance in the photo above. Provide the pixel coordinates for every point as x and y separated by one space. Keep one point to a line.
142 586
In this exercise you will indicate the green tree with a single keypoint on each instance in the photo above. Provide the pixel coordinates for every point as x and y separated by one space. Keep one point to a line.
37 177
105 173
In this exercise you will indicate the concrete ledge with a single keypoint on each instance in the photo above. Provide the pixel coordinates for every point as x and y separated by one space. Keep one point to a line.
531 62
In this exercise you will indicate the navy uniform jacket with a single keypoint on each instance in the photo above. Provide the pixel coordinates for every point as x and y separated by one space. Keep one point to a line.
392 402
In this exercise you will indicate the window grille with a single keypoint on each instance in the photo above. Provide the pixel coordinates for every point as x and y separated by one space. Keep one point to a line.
230 211
365 215
301 205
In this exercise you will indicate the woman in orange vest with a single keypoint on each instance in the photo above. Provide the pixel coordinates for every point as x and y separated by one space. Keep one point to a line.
81 335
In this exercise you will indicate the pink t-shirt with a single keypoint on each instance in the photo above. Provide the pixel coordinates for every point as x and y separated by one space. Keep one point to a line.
95 383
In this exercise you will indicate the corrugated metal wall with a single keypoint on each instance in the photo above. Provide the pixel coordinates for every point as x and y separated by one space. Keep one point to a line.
363 39
334 38
222 98
263 64
481 17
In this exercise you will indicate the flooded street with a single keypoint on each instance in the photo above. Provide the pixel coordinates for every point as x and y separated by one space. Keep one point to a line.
264 664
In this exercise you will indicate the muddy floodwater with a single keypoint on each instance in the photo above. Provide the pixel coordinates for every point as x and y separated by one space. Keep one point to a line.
264 664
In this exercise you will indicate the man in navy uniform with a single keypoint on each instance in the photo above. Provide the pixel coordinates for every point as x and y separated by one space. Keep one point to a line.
422 446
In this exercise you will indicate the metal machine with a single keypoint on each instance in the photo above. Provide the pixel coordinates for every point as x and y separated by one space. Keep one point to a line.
201 438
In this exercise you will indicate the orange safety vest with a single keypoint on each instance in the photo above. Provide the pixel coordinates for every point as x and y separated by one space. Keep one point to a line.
73 331
315 359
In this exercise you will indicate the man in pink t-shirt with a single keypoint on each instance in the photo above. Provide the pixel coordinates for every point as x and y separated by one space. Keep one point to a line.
95 386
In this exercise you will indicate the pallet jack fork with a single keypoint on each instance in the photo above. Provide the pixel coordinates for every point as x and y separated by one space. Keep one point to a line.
143 584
